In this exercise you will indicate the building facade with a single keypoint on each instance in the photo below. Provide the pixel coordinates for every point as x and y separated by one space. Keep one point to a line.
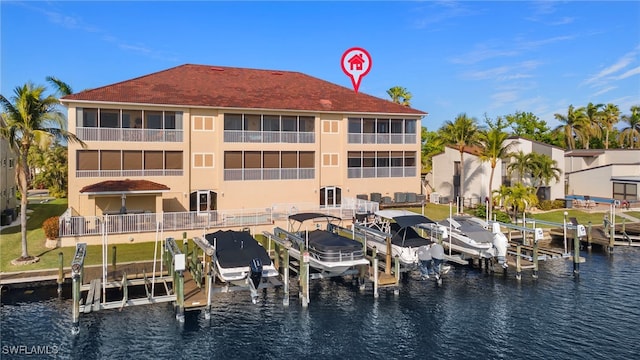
198 138
8 185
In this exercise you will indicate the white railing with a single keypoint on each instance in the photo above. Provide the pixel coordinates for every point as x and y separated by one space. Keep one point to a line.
128 173
193 220
127 134
381 138
381 172
268 174
233 136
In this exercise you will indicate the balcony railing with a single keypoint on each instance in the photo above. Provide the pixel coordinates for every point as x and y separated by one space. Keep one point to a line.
126 134
71 226
370 138
127 173
240 136
381 172
269 174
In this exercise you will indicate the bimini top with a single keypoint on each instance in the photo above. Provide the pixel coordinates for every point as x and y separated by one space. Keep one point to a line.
412 220
236 248
302 217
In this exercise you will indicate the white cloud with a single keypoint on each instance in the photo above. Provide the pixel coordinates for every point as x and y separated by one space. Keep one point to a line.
605 90
629 73
622 63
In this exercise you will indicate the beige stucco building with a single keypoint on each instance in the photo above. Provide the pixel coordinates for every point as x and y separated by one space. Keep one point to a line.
445 177
8 185
196 138
611 174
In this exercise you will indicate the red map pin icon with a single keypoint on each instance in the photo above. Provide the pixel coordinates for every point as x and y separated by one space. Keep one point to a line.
356 63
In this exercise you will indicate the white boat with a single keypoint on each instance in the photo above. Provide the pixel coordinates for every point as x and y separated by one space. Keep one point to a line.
471 235
401 226
329 253
240 260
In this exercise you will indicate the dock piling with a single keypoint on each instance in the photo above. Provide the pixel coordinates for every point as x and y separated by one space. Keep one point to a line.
576 255
285 276
589 236
375 276
60 272
518 262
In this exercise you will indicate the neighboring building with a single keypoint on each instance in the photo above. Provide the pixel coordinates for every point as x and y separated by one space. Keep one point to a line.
445 177
8 185
612 173
199 138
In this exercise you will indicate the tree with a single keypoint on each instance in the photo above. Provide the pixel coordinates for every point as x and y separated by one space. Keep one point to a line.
543 169
610 117
400 95
460 133
494 147
30 119
520 164
528 126
52 169
431 145
518 198
574 123
591 126
631 133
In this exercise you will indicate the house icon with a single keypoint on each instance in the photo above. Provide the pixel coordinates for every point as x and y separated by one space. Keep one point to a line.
355 62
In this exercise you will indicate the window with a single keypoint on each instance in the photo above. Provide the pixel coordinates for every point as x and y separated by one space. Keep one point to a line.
271 122
110 160
396 126
203 160
173 160
289 123
153 119
289 159
306 123
203 123
131 160
369 126
382 126
625 191
87 117
252 160
271 159
330 126
153 160
87 160
397 158
132 119
329 160
410 126
233 160
173 120
109 118
355 126
233 121
382 159
252 122
354 159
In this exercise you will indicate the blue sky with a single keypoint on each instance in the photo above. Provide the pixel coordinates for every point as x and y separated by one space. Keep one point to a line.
477 57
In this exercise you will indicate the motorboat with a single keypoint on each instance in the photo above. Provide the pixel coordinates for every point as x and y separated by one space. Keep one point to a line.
472 236
400 226
316 237
240 260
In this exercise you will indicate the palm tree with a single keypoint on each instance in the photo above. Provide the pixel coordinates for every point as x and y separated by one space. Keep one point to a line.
610 116
461 133
400 95
517 197
30 119
574 124
591 126
520 164
632 132
494 147
543 170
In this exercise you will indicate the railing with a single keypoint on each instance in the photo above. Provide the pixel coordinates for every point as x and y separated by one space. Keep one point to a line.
128 173
381 172
374 138
234 136
192 220
126 134
269 174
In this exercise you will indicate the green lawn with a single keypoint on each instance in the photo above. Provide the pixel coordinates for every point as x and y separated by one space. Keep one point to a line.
583 217
10 247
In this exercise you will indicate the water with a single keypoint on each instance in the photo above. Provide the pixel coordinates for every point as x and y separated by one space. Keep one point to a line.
472 316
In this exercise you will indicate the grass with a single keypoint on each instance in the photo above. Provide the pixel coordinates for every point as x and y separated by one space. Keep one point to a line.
583 218
10 244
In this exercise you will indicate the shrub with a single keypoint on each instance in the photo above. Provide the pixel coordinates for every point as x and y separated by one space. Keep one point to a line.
51 227
547 205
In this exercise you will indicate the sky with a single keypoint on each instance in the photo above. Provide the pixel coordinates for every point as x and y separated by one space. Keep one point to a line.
485 59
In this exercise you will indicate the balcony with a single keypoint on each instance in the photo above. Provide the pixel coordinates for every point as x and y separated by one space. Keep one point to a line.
293 137
268 174
128 173
126 134
381 172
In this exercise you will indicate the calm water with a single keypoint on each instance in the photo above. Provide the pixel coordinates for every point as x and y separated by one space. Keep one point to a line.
472 316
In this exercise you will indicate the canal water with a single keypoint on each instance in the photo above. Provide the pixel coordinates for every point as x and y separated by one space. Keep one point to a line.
473 315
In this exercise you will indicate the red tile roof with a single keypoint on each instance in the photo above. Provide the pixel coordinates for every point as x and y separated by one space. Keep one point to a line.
124 186
229 87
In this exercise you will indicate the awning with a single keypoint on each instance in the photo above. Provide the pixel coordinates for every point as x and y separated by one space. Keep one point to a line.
119 187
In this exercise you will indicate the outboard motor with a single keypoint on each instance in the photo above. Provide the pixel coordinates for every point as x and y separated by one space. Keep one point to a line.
256 272
500 243
437 254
